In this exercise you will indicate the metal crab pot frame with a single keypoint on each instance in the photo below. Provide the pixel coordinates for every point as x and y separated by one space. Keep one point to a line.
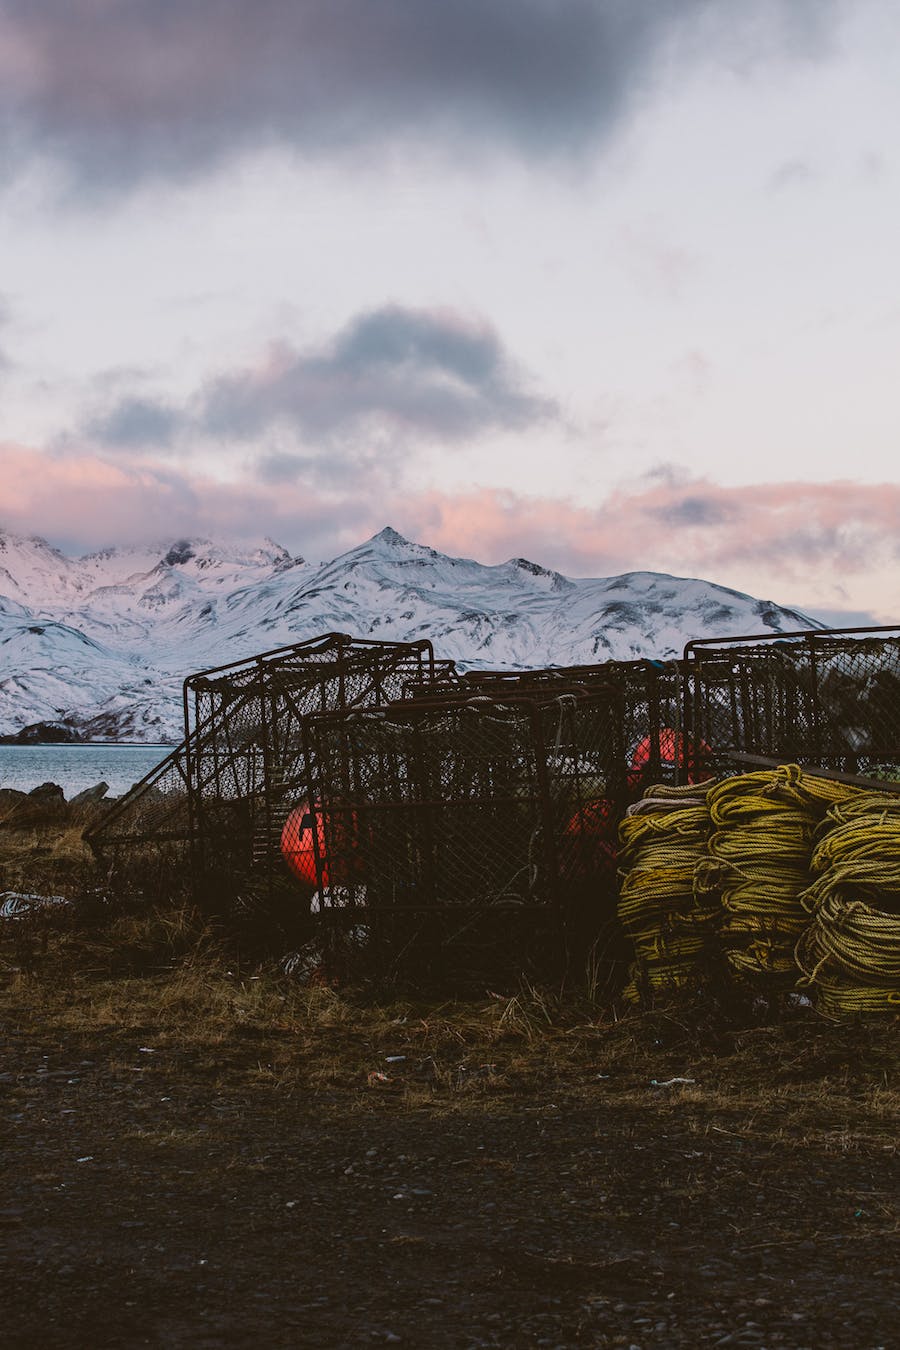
826 699
651 693
441 816
216 799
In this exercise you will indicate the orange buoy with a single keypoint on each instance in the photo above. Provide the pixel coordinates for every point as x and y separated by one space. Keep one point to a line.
590 841
338 857
672 748
298 849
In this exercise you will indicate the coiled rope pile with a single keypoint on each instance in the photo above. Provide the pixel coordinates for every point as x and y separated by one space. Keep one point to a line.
850 953
663 837
764 825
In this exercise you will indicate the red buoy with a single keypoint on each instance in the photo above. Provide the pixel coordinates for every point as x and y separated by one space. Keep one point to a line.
590 841
672 748
339 859
297 846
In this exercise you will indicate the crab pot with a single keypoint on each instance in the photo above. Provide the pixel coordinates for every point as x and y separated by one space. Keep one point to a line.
822 699
451 826
223 796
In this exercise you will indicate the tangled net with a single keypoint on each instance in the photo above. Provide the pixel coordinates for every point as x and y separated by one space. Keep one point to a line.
850 953
663 838
764 826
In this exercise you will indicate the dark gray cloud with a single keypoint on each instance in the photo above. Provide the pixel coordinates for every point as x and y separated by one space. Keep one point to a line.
413 370
137 422
118 89
696 510
390 374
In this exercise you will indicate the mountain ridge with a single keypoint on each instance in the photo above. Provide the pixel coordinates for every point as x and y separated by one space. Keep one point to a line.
100 644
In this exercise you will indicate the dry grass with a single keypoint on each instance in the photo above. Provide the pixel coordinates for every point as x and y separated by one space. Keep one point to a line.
169 977
165 979
44 857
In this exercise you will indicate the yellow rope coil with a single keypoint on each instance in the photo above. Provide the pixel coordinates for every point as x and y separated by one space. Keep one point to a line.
690 823
662 791
850 953
786 784
764 828
660 946
877 806
859 942
838 1000
663 838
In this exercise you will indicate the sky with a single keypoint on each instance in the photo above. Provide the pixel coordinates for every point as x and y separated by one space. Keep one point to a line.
612 286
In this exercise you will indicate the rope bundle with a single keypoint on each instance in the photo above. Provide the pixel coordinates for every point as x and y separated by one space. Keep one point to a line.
663 837
850 953
764 825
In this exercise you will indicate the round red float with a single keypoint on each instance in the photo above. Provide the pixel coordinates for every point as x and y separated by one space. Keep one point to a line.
590 841
298 849
673 748
338 858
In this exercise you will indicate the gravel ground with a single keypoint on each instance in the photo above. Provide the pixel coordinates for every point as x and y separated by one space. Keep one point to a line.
158 1199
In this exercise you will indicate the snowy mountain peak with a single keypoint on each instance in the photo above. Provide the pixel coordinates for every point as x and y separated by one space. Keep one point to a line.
103 642
180 552
205 553
389 536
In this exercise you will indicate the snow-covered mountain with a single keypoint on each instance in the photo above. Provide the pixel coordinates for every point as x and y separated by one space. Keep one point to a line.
102 643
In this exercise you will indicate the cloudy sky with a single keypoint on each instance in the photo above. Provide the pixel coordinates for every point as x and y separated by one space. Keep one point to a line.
609 285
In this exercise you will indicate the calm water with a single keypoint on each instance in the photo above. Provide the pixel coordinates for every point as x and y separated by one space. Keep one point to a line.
76 767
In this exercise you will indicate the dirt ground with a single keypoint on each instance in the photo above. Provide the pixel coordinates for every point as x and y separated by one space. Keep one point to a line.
200 1151
195 1156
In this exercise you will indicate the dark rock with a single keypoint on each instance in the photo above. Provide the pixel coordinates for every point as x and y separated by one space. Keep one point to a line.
10 799
47 790
90 795
180 553
42 733
44 805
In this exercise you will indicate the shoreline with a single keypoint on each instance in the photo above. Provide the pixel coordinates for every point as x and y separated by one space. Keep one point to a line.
87 745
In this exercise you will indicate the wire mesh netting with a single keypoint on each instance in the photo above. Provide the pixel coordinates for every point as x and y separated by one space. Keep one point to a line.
146 833
650 693
217 802
825 699
462 828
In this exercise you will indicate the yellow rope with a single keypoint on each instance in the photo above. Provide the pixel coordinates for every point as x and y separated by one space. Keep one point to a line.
850 953
841 999
662 791
875 806
764 830
663 837
802 871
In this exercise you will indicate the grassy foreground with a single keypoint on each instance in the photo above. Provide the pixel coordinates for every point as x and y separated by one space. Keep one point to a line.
202 1150
112 967
165 973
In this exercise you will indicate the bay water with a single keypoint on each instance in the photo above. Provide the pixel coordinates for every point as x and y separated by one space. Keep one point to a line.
75 767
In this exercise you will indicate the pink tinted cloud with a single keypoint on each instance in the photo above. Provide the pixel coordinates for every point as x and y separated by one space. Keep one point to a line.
83 501
818 545
677 525
802 543
85 498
